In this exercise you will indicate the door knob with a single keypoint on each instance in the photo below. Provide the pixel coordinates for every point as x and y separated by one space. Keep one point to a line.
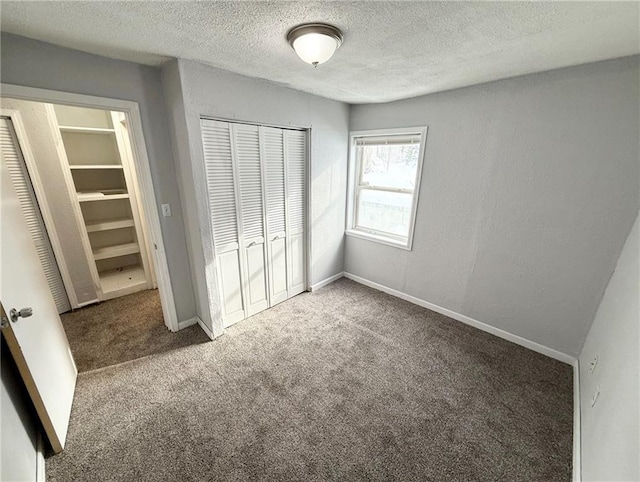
24 313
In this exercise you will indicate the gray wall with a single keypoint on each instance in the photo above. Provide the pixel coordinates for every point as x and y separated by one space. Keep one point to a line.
36 64
610 429
529 190
171 83
212 92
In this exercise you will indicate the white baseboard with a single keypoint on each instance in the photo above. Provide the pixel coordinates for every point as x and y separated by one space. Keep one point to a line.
186 323
205 328
87 303
325 282
532 345
577 443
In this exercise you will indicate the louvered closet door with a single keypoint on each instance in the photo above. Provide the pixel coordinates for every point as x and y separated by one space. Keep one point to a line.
252 216
12 156
295 157
273 165
216 138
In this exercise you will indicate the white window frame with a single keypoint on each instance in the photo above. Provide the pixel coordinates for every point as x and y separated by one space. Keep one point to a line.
353 187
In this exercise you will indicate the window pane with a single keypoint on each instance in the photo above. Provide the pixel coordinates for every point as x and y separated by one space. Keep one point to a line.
389 212
392 166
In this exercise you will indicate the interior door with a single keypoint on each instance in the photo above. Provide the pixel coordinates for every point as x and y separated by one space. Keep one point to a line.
13 157
252 237
295 162
274 175
37 342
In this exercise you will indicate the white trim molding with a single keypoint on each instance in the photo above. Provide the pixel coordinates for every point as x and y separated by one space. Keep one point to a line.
532 345
87 303
325 282
577 410
205 328
40 463
187 323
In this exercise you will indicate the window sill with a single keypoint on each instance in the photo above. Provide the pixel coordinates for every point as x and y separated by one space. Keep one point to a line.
379 239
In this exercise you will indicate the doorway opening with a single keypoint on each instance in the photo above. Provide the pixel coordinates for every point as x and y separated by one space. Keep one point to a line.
85 189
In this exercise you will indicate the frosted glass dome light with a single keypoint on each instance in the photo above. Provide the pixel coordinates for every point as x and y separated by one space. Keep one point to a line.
315 43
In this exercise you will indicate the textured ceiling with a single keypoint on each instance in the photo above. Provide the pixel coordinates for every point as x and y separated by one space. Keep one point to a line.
392 49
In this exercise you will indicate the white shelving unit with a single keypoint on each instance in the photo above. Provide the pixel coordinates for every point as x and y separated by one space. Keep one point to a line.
101 196
106 225
115 251
108 211
90 130
95 166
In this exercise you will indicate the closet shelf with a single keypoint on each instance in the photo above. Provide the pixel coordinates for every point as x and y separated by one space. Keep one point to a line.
122 281
95 166
115 251
96 158
102 195
89 130
106 225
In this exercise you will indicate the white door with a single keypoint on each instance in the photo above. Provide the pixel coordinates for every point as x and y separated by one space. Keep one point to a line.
252 219
12 154
38 342
295 162
223 206
274 175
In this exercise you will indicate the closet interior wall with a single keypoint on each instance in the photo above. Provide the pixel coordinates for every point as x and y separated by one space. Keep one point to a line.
256 182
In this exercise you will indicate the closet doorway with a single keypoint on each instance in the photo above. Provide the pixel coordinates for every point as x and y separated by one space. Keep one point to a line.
257 189
80 167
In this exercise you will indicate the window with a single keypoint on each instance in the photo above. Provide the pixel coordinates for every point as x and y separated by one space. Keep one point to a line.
385 168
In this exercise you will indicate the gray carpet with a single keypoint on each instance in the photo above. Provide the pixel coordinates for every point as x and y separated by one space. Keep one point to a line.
123 329
345 383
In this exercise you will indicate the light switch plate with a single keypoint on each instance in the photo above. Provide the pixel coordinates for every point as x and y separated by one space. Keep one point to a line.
166 210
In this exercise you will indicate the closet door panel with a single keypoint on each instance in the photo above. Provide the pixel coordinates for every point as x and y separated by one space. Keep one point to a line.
12 156
256 178
297 263
274 169
278 270
247 146
223 206
247 156
230 286
256 282
295 161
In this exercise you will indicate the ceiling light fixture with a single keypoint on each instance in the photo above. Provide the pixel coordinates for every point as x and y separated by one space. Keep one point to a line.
315 43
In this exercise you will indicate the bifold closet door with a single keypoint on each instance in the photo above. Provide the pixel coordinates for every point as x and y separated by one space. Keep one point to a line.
12 156
275 188
256 179
246 144
295 162
223 206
